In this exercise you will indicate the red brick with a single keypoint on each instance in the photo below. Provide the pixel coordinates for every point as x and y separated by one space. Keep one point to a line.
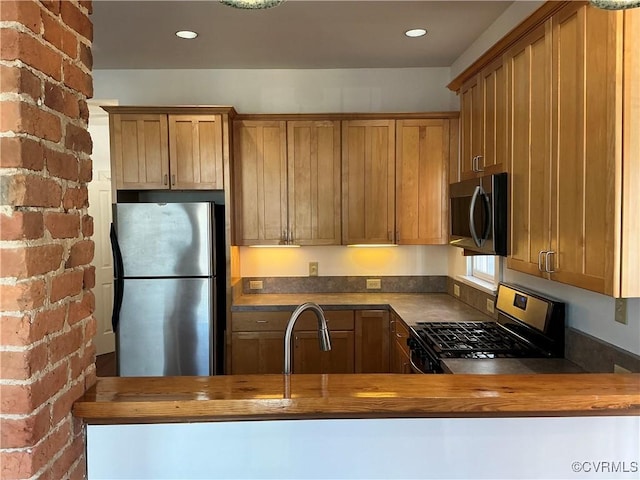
21 117
65 344
76 79
79 470
91 328
24 262
70 455
24 364
77 20
62 165
82 361
87 225
16 399
69 284
89 278
15 331
87 5
86 56
21 152
84 111
24 432
86 171
22 296
16 464
75 198
59 36
26 13
62 405
30 191
16 45
61 100
81 309
19 80
78 139
62 225
21 225
55 442
52 5
47 322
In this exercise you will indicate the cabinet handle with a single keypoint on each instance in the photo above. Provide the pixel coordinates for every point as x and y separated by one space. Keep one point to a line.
474 162
540 254
392 326
284 237
478 169
173 179
290 237
547 268
261 321
166 179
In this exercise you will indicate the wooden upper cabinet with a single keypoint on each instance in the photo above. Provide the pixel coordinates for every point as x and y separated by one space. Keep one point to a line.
368 182
529 80
313 164
422 161
159 151
260 171
140 151
483 112
195 152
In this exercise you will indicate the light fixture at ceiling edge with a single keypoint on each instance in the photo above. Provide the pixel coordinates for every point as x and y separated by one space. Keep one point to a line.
252 4
615 4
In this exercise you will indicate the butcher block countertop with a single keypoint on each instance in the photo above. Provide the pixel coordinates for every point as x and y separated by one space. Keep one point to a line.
115 400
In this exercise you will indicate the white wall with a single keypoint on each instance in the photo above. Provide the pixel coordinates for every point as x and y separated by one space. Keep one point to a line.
283 91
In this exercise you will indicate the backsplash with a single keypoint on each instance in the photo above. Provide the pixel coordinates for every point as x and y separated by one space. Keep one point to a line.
472 296
346 284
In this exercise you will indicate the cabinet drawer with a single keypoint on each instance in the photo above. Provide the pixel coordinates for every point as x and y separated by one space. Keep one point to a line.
400 332
277 321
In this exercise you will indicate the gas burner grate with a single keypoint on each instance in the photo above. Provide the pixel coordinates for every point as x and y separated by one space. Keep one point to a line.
472 340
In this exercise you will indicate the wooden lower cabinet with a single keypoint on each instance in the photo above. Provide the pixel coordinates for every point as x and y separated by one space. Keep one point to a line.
372 341
257 352
399 361
308 358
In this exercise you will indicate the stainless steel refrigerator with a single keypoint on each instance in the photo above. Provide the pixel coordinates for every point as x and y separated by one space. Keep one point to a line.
165 289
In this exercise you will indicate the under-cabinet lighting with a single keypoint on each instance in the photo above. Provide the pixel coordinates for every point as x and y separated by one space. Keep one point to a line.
274 246
372 245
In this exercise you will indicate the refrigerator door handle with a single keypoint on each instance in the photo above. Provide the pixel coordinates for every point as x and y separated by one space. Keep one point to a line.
118 282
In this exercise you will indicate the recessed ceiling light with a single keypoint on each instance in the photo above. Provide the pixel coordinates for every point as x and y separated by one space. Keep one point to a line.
186 34
415 32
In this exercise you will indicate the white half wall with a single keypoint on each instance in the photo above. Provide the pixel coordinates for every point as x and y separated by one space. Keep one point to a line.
283 91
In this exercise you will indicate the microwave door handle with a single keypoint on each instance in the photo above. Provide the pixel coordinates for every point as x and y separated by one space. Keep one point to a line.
472 207
488 220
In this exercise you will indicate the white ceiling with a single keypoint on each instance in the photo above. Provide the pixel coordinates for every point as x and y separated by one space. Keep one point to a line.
297 34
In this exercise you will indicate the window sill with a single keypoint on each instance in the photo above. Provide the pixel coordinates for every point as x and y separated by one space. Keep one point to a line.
476 283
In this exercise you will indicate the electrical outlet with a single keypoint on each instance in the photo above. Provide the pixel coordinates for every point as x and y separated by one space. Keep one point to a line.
618 369
456 290
313 269
373 284
621 310
255 284
489 305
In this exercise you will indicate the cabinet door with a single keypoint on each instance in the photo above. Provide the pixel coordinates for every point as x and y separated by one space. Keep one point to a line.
195 152
260 197
140 151
584 112
494 132
372 341
529 151
313 163
471 122
422 159
308 358
399 350
257 352
368 184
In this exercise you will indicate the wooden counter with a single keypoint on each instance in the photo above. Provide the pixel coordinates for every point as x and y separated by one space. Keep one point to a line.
272 397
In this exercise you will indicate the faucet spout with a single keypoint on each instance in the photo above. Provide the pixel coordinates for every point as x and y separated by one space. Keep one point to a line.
324 337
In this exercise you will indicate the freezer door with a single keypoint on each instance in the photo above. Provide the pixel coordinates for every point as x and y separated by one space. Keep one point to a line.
165 240
165 327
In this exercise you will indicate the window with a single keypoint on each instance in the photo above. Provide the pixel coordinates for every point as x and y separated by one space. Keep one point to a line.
483 267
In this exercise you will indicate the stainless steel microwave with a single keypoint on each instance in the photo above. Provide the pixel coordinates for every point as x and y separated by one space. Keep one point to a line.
478 214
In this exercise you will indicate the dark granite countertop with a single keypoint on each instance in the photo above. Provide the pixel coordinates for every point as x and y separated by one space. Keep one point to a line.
411 307
510 366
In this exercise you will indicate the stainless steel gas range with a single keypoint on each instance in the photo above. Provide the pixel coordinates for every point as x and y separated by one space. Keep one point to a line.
528 326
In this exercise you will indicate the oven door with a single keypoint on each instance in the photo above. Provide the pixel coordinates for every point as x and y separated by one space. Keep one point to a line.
421 360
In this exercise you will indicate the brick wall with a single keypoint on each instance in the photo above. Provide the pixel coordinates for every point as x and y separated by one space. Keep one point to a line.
46 304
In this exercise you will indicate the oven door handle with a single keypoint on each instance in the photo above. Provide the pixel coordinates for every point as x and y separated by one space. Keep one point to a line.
414 367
